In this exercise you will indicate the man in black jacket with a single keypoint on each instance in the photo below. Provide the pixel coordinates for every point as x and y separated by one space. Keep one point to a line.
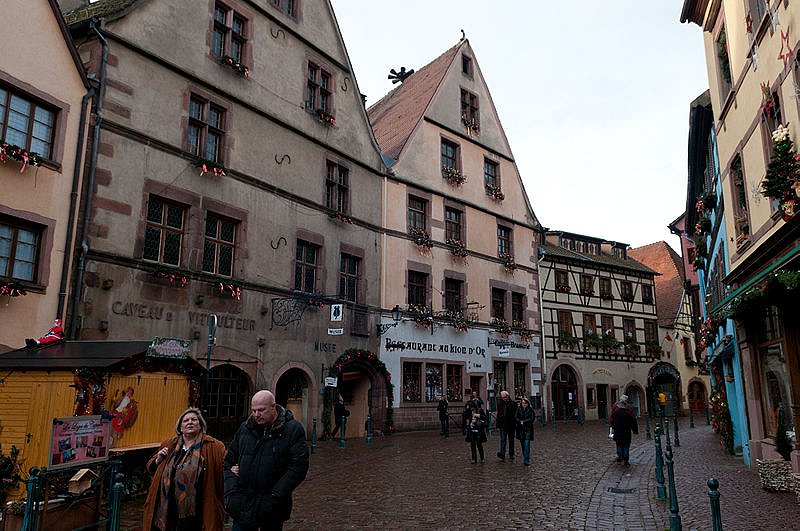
266 460
506 423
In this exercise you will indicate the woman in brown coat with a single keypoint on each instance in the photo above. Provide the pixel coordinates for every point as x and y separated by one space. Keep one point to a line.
186 492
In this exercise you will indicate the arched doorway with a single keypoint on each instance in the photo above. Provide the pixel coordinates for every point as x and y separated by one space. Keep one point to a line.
664 378
697 396
564 386
366 386
291 392
635 398
228 400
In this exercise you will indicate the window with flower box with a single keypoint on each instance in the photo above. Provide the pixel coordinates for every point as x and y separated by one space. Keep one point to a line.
607 323
349 271
626 290
452 224
305 266
319 87
219 245
469 110
491 174
503 241
206 130
417 213
587 284
629 329
449 156
589 324
412 377
498 303
337 187
518 309
453 294
164 231
454 379
26 123
417 288
564 323
19 249
434 385
229 35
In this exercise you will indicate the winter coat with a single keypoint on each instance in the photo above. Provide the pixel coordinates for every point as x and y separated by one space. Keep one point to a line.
624 423
442 409
477 430
506 415
272 463
210 491
525 417
339 411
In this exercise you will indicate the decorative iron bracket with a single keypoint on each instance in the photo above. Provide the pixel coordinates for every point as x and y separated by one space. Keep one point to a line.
287 310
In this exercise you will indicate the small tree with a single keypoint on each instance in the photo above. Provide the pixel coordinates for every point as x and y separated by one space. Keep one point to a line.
783 172
783 444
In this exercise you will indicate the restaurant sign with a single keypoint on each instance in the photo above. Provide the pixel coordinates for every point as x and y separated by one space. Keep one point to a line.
166 347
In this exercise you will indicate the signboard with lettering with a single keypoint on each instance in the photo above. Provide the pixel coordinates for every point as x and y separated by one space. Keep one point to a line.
503 352
166 347
331 381
78 441
335 331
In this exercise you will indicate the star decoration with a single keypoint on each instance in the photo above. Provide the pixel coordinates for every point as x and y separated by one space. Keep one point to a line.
755 192
773 18
748 20
786 56
754 57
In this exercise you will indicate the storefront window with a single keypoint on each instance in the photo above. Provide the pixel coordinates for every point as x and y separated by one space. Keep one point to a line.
520 389
433 382
411 381
774 375
500 376
454 383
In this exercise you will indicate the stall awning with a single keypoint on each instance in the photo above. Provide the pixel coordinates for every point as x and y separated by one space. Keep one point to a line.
783 260
72 354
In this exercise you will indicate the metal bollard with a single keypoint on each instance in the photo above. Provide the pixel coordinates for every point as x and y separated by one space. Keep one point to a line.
30 520
314 436
647 423
713 493
691 417
369 430
661 491
341 435
555 419
674 516
708 419
677 439
489 423
565 414
544 417
115 503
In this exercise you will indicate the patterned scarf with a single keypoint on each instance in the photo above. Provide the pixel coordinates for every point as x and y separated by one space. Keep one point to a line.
182 471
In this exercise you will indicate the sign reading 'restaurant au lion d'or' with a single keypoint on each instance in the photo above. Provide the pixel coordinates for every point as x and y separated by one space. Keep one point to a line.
166 347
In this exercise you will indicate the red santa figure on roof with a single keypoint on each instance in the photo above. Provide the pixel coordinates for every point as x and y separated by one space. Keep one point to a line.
56 333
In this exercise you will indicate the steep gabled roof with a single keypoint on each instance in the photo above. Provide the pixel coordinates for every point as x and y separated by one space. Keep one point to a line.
660 257
395 116
594 260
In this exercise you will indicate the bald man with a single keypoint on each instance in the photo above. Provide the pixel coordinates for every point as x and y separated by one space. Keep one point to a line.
266 460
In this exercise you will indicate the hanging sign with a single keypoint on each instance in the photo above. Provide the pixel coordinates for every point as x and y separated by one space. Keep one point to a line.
336 312
165 347
331 381
78 441
503 352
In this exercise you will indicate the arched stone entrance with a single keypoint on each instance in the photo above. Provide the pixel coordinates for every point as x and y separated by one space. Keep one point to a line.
664 378
564 391
292 392
365 384
228 400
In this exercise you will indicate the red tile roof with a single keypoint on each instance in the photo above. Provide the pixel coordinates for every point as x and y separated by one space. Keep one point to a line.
660 257
397 114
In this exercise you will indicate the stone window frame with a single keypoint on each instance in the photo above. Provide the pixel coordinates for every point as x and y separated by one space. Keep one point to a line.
234 9
210 99
45 230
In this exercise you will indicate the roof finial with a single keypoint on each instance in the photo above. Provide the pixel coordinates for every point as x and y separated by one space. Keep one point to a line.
463 35
399 77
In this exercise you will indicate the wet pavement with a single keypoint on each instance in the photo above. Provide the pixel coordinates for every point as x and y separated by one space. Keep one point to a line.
422 480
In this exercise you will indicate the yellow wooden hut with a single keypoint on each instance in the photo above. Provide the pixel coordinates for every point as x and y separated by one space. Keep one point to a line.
138 390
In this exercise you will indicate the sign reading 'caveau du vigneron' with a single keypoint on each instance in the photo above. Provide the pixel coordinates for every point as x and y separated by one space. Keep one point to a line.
160 313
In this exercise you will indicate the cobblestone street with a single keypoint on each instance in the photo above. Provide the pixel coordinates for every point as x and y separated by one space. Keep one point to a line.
422 480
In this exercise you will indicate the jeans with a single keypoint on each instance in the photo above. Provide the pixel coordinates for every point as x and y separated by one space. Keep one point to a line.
506 434
476 443
623 451
445 429
526 451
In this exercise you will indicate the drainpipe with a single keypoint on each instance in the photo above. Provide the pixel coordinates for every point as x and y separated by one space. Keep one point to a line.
73 205
545 394
100 93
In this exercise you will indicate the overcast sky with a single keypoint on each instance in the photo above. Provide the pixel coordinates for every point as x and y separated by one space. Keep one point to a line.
593 96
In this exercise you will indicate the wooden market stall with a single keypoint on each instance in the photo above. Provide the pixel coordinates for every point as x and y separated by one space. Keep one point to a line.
139 390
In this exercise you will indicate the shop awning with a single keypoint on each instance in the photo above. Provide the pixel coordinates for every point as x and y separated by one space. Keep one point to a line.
783 260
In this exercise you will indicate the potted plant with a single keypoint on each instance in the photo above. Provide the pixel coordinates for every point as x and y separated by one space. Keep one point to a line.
494 192
592 340
508 262
567 341
453 176
422 239
501 326
457 248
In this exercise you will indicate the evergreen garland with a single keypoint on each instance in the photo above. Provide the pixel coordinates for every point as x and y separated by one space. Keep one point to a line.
721 420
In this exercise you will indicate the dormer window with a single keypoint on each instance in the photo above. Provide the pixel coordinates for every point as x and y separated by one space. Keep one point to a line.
469 111
466 65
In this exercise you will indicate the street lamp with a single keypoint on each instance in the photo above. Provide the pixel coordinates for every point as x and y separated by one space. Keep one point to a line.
397 316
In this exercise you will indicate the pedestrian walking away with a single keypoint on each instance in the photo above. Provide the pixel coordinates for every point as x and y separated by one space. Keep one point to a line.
186 491
443 418
623 422
339 411
525 417
506 423
476 431
266 461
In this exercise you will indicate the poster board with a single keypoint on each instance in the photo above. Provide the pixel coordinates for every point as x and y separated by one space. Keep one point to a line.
78 441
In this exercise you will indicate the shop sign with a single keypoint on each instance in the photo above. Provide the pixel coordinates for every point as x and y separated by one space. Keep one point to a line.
336 312
335 331
166 347
503 352
78 441
331 381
